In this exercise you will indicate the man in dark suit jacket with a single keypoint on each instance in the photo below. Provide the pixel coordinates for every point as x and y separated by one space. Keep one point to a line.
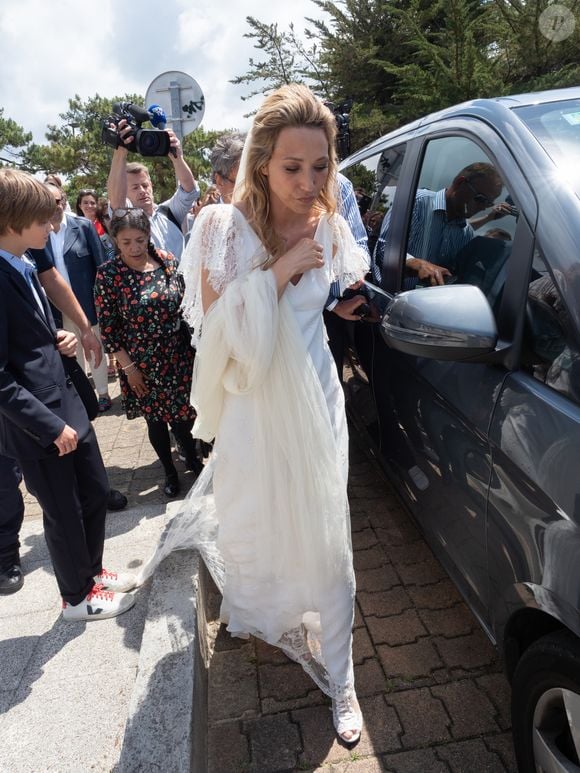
76 251
43 422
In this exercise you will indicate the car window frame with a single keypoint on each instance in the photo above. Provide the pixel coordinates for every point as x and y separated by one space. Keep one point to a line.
511 316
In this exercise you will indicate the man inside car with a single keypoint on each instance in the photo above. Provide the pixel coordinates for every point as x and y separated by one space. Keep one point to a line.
443 222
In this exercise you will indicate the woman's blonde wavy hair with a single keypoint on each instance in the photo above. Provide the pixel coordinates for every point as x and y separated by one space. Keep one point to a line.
290 106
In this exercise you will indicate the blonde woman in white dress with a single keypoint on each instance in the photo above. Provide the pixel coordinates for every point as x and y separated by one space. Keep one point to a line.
270 512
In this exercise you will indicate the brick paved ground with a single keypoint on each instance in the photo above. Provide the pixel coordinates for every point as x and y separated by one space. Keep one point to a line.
430 684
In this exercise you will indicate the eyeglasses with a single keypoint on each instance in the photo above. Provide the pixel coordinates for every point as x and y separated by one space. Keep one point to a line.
478 196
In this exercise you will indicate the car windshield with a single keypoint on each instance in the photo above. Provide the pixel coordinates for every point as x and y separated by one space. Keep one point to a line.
557 127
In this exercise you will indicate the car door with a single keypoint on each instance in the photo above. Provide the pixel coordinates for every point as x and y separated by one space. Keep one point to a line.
435 416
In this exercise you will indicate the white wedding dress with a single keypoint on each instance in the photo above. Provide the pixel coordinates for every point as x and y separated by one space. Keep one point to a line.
269 513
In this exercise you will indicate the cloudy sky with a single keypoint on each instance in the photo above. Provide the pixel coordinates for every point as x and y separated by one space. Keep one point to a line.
54 50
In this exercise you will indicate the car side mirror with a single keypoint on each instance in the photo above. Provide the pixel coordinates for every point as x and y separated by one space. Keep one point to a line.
452 322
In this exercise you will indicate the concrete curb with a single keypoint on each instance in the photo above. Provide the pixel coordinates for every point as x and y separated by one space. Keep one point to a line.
167 720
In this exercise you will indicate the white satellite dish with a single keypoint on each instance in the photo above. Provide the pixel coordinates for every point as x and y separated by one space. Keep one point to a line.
181 98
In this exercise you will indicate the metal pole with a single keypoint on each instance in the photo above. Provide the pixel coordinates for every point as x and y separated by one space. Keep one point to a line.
176 109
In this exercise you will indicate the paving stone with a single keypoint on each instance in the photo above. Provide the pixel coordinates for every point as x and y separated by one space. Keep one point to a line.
274 705
396 629
358 522
422 716
481 715
497 688
284 682
424 573
455 621
233 690
362 540
320 744
469 651
367 765
362 646
398 533
440 595
225 641
370 678
409 661
228 749
369 559
384 603
372 580
503 746
470 756
411 553
381 727
265 653
420 761
274 743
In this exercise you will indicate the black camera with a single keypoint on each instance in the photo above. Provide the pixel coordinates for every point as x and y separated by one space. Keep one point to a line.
364 309
342 118
146 142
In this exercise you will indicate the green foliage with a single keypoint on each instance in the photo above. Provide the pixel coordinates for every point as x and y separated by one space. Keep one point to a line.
13 138
531 60
402 59
449 42
286 59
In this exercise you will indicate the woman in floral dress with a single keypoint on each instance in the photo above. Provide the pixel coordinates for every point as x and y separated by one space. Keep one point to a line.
138 294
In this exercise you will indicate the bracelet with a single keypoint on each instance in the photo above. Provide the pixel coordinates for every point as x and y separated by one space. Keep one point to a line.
128 367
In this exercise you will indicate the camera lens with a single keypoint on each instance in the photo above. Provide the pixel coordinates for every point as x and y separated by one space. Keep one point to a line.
151 142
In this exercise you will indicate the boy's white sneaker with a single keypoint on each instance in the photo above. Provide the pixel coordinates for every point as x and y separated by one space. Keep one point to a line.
99 604
120 582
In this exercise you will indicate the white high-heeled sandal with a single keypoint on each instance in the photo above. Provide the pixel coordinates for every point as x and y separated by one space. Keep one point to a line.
346 715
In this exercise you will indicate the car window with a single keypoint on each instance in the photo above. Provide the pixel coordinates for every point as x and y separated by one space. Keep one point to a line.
550 351
463 220
375 181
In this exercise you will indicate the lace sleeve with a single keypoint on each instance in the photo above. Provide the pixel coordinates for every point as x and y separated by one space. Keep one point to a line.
214 244
351 261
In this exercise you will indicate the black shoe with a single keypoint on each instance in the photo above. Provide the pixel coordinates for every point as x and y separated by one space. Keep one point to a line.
172 487
194 465
116 500
11 579
206 448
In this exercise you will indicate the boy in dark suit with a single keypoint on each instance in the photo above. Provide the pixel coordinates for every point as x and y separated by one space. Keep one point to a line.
43 422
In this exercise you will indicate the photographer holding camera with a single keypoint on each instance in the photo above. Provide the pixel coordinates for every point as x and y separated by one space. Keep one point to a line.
129 184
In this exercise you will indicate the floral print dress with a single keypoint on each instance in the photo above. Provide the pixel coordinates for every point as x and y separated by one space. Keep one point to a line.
139 311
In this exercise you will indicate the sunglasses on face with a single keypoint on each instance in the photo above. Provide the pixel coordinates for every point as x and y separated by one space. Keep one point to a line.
124 211
481 198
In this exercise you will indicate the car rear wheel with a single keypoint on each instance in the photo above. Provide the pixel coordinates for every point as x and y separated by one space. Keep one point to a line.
546 706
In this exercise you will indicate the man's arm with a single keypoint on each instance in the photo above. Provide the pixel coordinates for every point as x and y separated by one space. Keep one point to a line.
60 294
117 179
182 171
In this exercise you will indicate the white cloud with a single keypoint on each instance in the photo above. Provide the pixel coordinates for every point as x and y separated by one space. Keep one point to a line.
52 51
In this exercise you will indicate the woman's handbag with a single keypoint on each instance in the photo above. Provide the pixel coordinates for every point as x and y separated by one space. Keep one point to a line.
83 386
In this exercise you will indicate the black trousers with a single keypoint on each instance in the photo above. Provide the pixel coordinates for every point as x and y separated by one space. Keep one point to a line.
11 512
72 491
337 338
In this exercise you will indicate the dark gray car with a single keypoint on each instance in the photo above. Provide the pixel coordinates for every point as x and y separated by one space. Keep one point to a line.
470 390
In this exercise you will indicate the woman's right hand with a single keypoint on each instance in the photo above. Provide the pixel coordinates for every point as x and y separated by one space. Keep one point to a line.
305 255
137 383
